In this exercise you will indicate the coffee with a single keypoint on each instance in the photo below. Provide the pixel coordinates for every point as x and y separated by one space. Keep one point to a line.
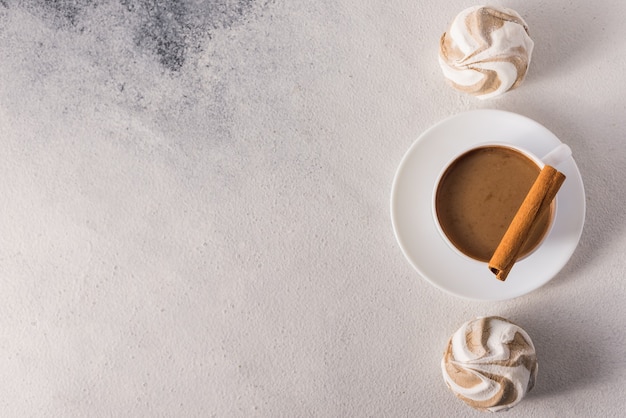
478 196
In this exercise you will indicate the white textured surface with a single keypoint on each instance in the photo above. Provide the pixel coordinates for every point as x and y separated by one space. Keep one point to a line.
195 209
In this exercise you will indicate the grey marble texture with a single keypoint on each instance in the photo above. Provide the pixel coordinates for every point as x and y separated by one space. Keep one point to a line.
194 211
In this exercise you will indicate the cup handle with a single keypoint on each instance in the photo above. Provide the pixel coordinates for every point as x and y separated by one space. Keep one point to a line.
557 155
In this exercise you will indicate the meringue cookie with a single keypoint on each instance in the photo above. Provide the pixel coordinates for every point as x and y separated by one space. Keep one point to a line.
486 51
490 363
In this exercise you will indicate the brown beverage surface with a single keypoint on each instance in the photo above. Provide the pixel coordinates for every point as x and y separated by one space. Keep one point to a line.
478 196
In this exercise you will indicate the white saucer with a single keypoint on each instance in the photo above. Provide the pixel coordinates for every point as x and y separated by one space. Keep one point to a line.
417 234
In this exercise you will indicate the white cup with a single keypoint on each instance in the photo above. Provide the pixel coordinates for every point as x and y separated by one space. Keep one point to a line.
553 158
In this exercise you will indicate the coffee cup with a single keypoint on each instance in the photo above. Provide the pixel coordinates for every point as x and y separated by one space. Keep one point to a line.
479 191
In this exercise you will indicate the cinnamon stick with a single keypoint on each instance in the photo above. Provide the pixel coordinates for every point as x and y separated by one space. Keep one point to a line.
537 200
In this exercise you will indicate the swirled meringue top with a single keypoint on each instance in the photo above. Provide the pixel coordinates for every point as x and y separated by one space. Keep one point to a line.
490 363
486 51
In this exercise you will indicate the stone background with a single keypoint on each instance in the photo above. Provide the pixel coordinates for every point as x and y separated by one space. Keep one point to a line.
194 208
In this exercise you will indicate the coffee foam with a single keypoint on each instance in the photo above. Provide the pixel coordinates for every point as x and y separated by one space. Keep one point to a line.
486 51
490 363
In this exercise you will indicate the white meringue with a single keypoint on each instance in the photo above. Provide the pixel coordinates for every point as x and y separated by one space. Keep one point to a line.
486 51
490 363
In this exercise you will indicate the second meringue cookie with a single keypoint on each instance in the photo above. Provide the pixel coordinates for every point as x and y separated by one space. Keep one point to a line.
490 363
486 51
